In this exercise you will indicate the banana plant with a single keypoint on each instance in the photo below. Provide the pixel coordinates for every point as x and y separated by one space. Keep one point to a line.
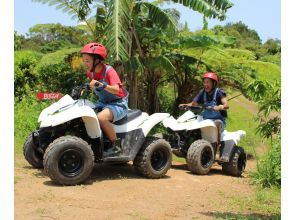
120 20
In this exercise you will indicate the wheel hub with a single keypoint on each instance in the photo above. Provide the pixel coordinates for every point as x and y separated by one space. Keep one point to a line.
71 163
158 160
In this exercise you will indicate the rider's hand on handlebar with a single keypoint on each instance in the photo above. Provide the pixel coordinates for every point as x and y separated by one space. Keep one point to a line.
184 106
218 107
94 83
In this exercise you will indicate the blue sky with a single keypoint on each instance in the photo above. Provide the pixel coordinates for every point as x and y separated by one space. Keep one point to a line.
262 15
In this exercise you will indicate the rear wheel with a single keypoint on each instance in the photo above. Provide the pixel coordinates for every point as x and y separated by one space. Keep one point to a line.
200 157
69 160
30 153
237 164
154 159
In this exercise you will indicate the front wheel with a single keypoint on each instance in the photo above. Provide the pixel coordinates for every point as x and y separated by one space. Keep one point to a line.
154 159
69 160
30 153
237 164
200 157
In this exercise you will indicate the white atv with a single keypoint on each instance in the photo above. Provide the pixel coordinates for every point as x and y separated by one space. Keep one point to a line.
69 141
195 139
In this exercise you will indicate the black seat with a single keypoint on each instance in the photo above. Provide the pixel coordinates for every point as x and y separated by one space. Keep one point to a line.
132 114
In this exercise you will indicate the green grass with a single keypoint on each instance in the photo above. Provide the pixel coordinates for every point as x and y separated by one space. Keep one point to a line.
16 179
26 115
240 118
266 202
179 159
266 71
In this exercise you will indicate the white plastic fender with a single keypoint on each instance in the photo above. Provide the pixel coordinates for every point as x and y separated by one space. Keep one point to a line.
235 136
207 127
64 101
75 111
186 116
152 120
132 125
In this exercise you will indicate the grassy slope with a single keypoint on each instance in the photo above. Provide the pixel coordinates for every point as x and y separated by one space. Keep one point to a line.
266 71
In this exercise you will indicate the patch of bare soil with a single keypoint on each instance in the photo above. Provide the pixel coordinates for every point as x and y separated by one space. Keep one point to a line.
117 192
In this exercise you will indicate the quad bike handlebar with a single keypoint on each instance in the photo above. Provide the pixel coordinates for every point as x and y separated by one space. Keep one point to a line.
196 109
76 91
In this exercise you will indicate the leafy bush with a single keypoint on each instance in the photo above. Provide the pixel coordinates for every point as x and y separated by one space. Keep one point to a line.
166 98
56 73
276 59
268 171
26 113
24 75
55 45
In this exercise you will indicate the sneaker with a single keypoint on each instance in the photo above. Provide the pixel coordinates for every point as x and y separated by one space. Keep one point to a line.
115 149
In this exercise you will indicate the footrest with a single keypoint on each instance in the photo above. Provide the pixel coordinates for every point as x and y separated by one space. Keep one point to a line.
116 159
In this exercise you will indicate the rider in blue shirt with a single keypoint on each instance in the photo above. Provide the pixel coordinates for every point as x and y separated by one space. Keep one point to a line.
211 96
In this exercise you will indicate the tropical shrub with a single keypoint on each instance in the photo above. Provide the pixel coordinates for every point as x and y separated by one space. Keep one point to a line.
268 171
56 72
26 113
24 76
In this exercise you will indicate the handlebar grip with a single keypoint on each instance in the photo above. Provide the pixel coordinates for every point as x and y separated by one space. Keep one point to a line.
183 107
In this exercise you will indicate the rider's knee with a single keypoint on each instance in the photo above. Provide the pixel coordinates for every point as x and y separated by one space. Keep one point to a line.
102 118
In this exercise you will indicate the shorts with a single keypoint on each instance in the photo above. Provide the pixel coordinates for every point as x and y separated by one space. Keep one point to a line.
119 109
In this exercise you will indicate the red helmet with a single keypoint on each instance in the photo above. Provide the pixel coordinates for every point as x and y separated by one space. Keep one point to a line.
210 75
96 49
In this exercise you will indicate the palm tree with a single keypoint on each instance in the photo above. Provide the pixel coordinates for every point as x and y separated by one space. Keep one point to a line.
117 22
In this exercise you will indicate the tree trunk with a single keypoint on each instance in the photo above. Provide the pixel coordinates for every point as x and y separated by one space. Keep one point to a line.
133 91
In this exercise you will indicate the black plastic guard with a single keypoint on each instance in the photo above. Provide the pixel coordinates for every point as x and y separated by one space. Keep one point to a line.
226 150
131 142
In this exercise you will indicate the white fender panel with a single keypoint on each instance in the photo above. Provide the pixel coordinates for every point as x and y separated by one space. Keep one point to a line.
152 120
235 136
186 116
92 126
209 134
85 112
132 125
64 101
207 127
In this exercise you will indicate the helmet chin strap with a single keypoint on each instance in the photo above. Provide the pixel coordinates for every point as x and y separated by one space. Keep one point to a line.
95 64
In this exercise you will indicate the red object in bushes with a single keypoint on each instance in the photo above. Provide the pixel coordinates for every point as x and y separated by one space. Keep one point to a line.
48 95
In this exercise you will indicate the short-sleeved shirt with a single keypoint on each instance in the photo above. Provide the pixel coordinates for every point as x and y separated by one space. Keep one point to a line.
111 78
199 98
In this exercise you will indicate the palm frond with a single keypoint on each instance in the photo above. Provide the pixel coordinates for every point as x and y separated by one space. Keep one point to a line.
157 15
116 30
77 9
209 8
160 62
133 64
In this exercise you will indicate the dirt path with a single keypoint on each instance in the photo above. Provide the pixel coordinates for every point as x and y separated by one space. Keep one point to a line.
251 106
117 192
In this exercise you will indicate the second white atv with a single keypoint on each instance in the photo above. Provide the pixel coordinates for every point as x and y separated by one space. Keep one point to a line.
195 139
69 141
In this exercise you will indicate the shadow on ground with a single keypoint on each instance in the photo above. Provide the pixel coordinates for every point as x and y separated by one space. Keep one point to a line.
215 170
100 173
